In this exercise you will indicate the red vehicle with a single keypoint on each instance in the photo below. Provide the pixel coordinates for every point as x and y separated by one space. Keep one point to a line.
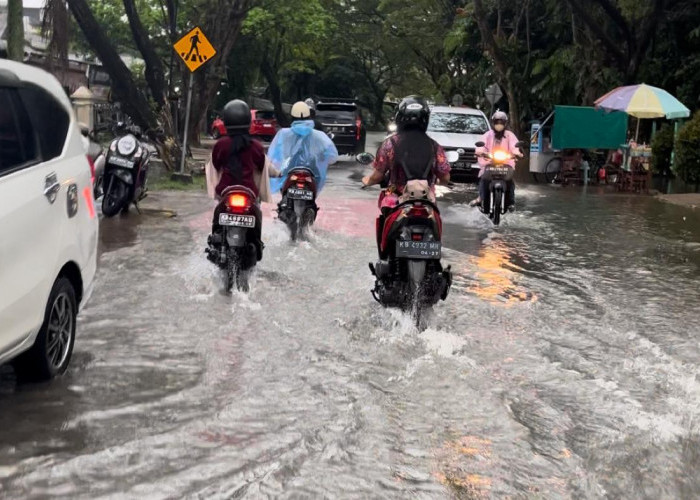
263 125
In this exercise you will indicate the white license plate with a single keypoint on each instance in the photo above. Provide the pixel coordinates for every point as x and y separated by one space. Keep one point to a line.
121 162
300 194
236 220
267 125
419 249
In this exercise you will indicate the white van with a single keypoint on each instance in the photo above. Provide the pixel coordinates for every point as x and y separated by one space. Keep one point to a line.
48 223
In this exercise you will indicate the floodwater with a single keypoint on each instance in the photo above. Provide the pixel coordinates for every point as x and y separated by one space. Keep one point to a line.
564 363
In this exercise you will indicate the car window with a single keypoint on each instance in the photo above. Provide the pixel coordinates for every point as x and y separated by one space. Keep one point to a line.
17 139
338 111
50 120
265 115
457 123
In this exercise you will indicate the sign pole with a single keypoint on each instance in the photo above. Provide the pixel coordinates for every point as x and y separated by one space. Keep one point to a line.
187 124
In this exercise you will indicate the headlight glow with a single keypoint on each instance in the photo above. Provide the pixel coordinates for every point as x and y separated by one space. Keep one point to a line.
126 145
392 127
500 156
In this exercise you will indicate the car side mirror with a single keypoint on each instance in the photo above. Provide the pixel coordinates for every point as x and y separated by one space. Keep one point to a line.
480 144
365 158
452 156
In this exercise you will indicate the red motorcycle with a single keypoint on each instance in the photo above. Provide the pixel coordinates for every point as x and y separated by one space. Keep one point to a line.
409 274
236 246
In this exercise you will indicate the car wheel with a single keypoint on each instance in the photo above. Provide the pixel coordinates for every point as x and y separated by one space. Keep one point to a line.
53 347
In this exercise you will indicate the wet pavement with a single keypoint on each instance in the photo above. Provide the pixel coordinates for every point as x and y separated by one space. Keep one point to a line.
564 363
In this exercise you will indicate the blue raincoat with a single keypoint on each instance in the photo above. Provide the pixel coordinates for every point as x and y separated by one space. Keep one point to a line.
301 146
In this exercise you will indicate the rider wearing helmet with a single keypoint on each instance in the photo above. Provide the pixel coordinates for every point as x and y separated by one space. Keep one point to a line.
301 145
408 155
237 156
410 151
498 138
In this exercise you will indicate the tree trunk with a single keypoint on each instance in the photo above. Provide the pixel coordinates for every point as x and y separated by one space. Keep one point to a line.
275 92
491 45
15 30
124 88
222 27
155 74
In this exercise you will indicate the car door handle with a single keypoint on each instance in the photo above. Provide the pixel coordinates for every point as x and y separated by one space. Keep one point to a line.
51 187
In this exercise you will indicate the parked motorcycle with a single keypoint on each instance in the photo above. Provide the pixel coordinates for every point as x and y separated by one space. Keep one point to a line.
235 247
409 274
96 158
298 207
126 172
498 174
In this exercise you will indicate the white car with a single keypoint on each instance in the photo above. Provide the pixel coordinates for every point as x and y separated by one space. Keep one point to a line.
48 223
459 129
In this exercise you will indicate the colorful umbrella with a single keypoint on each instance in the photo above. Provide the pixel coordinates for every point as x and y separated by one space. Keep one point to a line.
643 101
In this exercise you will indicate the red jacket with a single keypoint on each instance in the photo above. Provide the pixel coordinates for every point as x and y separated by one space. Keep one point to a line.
251 158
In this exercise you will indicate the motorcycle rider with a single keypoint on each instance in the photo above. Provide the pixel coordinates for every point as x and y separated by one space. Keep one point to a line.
301 145
503 139
237 156
410 152
312 107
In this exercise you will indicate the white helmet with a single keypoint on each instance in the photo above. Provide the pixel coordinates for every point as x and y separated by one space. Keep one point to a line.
499 115
301 111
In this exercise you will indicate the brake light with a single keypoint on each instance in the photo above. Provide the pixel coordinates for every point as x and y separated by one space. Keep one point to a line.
417 237
358 128
237 200
92 170
301 184
418 211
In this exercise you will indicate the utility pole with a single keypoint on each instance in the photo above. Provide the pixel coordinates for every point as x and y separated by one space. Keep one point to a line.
15 30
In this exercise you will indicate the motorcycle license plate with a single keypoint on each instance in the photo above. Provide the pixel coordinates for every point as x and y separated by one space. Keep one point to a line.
498 172
236 220
419 249
300 194
121 162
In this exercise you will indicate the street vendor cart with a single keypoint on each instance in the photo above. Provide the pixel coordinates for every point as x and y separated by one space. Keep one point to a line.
577 144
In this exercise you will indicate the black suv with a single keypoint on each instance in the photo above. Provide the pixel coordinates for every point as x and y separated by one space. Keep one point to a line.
342 121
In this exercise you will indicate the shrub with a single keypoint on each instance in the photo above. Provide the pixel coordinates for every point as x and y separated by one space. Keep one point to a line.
662 146
687 161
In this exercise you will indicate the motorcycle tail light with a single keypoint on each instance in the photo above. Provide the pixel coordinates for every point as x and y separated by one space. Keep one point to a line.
92 170
238 202
301 184
418 211
417 237
358 128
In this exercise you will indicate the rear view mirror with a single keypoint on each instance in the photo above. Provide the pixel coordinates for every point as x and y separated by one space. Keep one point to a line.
522 144
480 144
365 158
452 156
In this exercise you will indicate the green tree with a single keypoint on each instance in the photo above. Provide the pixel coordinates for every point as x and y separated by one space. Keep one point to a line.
687 160
290 39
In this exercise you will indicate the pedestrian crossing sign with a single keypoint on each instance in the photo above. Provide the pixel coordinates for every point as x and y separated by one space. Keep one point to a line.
195 49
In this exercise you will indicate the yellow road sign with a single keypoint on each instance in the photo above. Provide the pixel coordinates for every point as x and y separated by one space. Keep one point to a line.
194 49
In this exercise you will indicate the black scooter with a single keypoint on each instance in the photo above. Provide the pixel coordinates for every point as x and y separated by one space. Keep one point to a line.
126 172
498 174
236 247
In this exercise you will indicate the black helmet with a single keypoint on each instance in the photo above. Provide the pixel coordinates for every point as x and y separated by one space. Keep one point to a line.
413 111
236 115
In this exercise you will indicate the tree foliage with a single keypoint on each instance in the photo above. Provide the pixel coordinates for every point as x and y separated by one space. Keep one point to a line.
540 52
687 161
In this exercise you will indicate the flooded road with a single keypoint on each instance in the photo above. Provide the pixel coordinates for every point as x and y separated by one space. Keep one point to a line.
564 363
